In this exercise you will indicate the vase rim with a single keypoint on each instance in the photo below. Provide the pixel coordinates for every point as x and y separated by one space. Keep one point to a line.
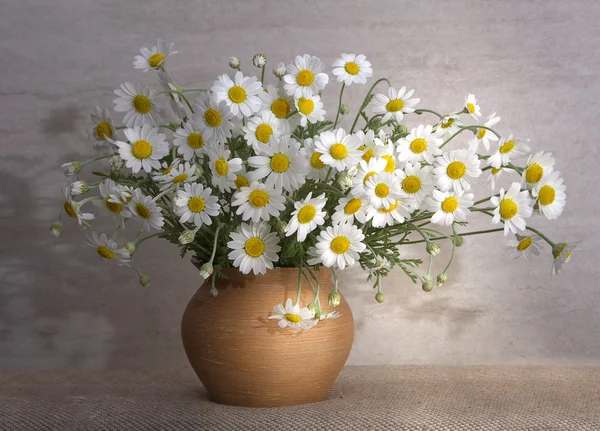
231 271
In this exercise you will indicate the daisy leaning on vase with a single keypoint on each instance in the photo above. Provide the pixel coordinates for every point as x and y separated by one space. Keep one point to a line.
256 175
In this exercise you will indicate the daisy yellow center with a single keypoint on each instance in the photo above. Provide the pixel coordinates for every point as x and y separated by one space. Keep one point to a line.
367 154
449 204
315 161
113 206
179 178
352 206
263 133
237 94
471 107
258 198
534 173
142 104
508 209
568 255
141 149
212 117
142 211
495 171
367 176
241 181
507 147
447 123
524 244
155 59
68 206
411 184
390 209
254 247
391 163
195 141
281 108
221 167
294 318
105 252
280 163
340 244
103 130
382 190
418 145
394 105
352 68
456 170
338 151
196 204
481 133
166 171
546 195
305 106
305 78
307 214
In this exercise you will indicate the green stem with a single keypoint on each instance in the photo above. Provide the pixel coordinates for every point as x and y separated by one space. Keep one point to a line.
478 232
420 111
295 111
214 250
337 116
262 75
189 90
145 238
363 106
453 249
541 235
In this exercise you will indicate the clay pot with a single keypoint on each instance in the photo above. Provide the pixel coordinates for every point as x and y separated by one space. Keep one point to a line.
244 359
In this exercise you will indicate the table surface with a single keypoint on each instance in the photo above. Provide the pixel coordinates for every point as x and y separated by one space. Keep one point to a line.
363 398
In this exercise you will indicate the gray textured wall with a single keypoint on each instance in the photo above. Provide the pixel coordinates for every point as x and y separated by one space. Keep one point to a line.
534 62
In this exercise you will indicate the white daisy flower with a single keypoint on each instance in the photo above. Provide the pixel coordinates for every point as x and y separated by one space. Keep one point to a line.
382 190
281 164
508 149
366 170
114 197
279 105
260 128
189 141
349 210
512 207
448 126
310 110
368 142
145 148
525 246
318 169
307 215
452 170
154 58
103 130
472 107
138 103
242 179
416 181
330 315
254 248
293 316
168 84
73 210
108 249
223 170
195 204
338 149
449 207
213 119
538 166
562 254
145 210
399 212
551 196
395 104
484 136
240 95
258 202
338 246
494 175
386 151
420 145
352 68
178 174
77 188
305 77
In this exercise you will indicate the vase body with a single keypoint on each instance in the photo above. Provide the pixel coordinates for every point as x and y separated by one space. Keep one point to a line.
242 358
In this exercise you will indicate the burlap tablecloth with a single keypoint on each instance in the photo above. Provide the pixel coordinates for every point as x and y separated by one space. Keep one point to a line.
363 398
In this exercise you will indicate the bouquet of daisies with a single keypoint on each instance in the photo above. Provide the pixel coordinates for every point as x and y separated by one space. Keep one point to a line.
252 175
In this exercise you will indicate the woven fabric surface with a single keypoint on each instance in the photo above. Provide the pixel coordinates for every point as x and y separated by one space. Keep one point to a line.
364 398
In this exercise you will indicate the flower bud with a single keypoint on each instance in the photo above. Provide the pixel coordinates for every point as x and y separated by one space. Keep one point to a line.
344 181
79 188
427 285
187 236
259 60
130 247
380 297
344 109
115 175
234 62
199 170
206 270
115 162
71 168
280 227
313 308
56 228
441 278
334 299
279 70
401 129
459 241
144 280
432 248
